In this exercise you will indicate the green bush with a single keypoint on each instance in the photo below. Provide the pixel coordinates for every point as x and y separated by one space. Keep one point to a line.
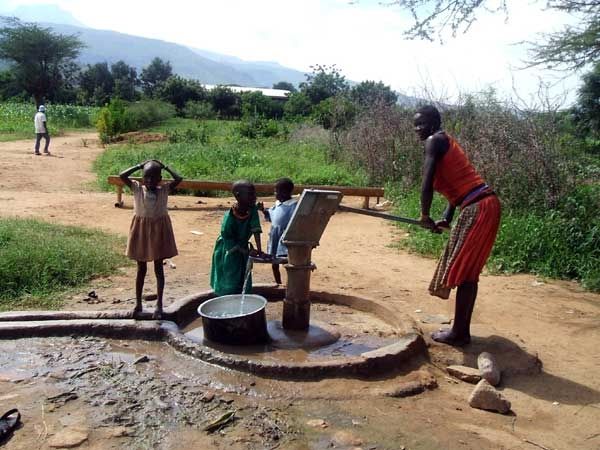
39 260
199 110
253 127
120 117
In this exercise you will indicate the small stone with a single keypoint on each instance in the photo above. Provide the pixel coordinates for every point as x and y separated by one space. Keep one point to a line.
488 368
345 438
317 423
464 373
69 438
141 359
485 396
208 397
407 390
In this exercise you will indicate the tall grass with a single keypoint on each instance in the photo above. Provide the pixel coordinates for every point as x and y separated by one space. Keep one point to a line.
39 260
226 156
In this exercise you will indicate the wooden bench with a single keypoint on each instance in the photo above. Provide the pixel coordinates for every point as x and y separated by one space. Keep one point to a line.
261 188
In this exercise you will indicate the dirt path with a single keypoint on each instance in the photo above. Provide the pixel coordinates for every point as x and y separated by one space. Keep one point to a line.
518 316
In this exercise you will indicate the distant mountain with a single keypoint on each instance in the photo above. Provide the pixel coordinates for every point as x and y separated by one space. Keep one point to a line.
44 13
265 73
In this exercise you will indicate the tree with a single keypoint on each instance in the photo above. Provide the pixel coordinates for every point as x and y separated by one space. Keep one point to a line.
285 85
368 93
323 82
225 102
39 56
155 74
179 91
126 80
9 87
298 105
335 113
96 84
573 47
588 104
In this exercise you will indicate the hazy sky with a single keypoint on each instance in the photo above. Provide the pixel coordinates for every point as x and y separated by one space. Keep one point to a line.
363 39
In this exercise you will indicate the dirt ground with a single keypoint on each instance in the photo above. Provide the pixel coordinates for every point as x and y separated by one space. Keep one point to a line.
163 402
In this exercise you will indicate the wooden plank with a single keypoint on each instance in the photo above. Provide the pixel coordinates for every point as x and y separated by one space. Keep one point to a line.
268 188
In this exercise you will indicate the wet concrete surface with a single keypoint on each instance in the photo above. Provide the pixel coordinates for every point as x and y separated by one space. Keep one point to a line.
338 331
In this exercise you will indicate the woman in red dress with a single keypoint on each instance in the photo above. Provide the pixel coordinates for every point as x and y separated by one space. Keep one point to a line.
447 170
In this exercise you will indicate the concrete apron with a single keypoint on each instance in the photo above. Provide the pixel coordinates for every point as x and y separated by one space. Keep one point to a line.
119 324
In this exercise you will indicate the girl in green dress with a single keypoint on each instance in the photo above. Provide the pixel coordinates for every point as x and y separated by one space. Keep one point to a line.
232 248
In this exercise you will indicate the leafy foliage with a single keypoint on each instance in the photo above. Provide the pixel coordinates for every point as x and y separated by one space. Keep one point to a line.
126 81
96 84
225 102
156 73
297 106
574 46
369 93
39 57
119 117
285 85
199 110
179 91
257 104
588 103
324 82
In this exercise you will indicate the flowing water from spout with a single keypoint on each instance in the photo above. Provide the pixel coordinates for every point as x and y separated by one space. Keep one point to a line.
246 278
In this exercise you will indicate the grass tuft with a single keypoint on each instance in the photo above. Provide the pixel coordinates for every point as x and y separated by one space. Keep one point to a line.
39 261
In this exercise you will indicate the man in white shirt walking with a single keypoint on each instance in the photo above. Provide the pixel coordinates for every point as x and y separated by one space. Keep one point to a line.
41 130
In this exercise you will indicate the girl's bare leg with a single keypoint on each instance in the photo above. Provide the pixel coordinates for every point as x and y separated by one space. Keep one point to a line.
139 286
160 286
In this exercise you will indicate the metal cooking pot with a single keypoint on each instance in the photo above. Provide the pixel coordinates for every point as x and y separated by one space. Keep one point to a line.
229 319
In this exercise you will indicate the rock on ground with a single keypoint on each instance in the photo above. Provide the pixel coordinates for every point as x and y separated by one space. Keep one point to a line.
485 396
488 367
464 373
68 438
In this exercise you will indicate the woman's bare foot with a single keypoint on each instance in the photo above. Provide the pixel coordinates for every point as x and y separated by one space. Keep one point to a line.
450 337
137 310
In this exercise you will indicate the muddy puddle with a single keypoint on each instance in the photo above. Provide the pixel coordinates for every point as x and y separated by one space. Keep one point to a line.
136 394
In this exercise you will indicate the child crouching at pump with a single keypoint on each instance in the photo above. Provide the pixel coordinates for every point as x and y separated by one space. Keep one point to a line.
232 248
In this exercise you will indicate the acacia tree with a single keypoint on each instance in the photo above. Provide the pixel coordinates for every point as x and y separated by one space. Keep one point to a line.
39 57
573 47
